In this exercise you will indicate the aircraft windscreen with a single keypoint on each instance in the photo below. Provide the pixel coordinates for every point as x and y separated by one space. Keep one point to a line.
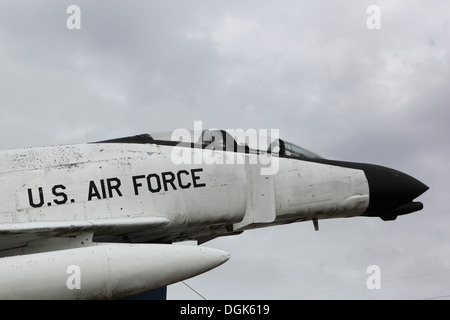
299 152
167 136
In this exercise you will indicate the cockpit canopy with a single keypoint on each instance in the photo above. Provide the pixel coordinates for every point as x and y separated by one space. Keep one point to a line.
292 150
225 141
214 139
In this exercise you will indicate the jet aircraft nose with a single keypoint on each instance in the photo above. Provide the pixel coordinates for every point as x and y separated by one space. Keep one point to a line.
391 192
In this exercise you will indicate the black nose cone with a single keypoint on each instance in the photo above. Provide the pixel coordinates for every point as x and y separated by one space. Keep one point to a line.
392 192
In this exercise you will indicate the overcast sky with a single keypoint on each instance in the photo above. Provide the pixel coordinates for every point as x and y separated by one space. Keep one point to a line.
312 69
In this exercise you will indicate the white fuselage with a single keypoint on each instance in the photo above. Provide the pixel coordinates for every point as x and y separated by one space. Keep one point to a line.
201 200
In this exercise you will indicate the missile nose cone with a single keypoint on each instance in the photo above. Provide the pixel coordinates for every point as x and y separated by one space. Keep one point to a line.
216 255
391 189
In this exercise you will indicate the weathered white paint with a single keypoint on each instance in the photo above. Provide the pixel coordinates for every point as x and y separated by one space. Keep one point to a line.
136 193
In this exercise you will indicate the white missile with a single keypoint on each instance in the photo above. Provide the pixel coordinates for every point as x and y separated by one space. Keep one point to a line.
106 271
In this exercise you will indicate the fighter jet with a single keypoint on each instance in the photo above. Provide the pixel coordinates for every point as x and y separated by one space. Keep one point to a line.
102 220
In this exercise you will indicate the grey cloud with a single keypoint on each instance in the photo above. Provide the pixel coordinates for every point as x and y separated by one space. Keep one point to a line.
312 70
